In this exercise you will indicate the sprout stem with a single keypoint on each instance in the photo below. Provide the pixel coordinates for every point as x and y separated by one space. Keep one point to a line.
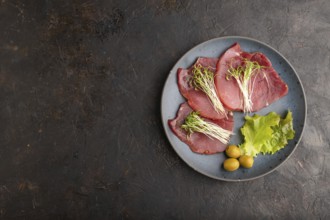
242 75
203 79
194 123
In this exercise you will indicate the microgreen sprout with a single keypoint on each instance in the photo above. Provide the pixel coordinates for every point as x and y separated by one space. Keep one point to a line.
194 123
242 75
203 79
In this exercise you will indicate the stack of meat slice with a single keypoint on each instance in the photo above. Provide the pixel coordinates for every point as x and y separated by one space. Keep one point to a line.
267 88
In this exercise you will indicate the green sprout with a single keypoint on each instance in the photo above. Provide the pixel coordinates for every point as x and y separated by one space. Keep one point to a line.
243 74
194 123
203 79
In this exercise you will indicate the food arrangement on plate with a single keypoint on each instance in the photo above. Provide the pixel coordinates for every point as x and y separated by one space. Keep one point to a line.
215 88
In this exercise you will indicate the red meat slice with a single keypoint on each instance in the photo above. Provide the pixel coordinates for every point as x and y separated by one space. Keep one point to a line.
197 99
198 142
267 86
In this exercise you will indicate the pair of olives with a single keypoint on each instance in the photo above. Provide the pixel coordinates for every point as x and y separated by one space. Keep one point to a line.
232 164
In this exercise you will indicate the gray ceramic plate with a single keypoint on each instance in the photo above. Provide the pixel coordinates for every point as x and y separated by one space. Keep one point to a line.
210 165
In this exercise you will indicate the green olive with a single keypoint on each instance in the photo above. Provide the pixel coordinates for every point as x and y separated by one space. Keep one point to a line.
246 161
233 151
231 164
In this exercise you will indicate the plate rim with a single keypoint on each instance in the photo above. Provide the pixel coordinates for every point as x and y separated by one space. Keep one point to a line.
305 112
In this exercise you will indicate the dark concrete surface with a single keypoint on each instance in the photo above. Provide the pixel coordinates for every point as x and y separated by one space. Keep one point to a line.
80 87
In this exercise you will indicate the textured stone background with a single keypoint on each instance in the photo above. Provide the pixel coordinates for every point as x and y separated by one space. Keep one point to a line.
80 87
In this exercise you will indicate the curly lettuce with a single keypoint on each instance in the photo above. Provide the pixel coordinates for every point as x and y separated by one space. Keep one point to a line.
266 134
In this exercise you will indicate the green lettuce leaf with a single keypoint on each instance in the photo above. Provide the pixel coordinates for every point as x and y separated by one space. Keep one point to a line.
282 133
266 134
